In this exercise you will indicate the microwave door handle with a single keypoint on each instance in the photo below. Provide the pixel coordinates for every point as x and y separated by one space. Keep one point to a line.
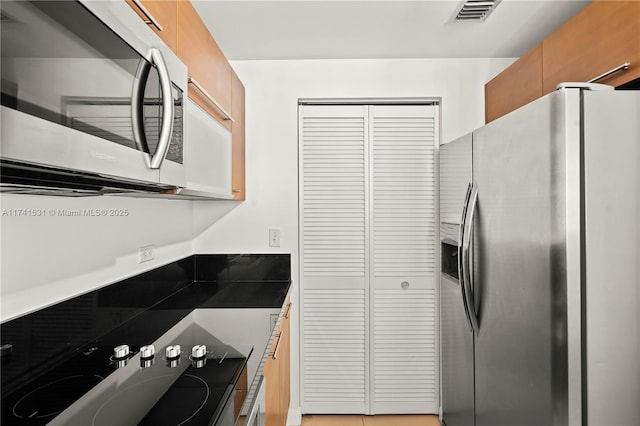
137 108
466 243
463 221
166 128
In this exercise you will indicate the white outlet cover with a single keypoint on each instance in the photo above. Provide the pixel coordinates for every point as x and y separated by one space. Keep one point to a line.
274 237
146 254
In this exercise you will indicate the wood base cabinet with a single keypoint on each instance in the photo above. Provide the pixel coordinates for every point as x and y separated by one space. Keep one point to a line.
241 392
277 373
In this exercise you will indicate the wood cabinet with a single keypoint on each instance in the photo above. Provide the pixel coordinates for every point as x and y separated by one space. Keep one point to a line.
516 86
165 15
271 374
241 392
209 71
277 373
285 366
238 138
601 37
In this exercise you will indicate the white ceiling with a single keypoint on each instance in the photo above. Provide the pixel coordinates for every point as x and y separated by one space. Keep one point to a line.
340 29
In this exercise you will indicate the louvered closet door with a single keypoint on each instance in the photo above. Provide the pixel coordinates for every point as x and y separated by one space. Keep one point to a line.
333 256
404 354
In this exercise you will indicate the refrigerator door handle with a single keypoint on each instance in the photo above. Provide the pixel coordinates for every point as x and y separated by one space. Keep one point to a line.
466 261
463 221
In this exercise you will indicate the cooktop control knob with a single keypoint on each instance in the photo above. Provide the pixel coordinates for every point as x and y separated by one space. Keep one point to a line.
198 351
147 351
121 351
172 352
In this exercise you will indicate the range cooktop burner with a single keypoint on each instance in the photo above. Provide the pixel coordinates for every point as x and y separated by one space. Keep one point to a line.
188 394
40 403
195 393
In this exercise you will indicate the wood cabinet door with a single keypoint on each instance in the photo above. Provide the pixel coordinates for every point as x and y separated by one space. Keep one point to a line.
285 365
241 392
602 36
205 62
516 86
237 138
271 372
165 12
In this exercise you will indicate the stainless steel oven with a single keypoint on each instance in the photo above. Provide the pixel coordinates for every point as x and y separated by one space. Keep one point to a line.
88 87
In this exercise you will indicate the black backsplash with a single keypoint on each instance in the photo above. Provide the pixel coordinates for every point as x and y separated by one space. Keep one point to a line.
243 267
140 308
51 335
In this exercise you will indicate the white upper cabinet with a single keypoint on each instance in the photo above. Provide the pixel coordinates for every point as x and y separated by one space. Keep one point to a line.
207 154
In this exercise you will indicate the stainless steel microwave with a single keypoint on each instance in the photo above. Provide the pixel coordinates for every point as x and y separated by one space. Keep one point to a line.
92 100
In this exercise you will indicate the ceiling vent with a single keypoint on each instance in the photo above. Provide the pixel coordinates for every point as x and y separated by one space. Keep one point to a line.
475 10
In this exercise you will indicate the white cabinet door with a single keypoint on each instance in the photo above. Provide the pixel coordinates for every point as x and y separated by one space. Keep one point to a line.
207 151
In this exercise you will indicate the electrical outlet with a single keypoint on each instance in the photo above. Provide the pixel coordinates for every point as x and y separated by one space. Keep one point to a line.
274 237
146 254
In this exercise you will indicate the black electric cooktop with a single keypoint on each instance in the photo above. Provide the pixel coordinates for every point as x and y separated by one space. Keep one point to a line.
96 388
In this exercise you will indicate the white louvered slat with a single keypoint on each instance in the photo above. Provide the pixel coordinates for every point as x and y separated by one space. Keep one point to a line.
334 350
403 193
404 350
333 196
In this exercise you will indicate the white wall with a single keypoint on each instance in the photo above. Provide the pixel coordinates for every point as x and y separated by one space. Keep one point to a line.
272 92
47 257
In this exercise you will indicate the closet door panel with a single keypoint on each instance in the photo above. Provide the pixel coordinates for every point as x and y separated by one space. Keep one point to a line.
334 351
333 256
404 259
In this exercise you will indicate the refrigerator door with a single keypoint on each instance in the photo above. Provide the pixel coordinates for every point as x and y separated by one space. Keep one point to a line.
457 357
455 332
612 251
523 168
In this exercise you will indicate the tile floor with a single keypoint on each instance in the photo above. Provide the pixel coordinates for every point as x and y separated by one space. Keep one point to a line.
407 420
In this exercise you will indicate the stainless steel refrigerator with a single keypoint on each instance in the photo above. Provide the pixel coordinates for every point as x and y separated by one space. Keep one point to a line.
540 282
